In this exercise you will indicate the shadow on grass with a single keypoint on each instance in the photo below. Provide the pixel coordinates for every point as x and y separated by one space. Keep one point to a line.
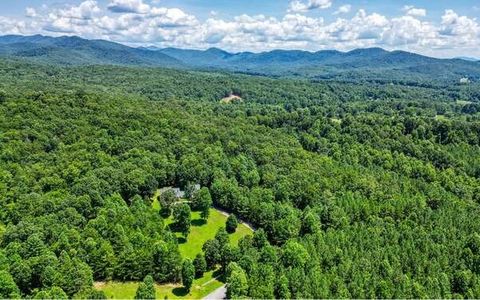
180 292
173 227
219 275
198 222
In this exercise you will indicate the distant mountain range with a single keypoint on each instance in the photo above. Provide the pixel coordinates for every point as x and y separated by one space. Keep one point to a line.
78 51
365 64
468 58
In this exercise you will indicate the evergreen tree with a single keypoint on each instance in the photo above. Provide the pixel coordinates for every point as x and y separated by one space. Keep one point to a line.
188 274
200 265
231 224
212 250
8 288
237 283
146 289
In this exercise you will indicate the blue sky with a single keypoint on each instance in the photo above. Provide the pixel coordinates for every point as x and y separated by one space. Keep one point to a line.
438 28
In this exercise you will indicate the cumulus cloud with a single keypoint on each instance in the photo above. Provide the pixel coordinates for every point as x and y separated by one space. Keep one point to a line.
414 12
455 25
297 6
344 9
128 6
30 12
135 22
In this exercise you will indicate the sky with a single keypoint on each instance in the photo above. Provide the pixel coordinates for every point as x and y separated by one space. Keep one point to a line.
438 28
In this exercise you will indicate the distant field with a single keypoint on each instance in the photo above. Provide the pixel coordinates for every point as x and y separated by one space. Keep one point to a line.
440 117
461 102
199 233
336 120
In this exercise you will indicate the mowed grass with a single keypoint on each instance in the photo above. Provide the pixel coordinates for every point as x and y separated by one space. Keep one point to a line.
200 232
155 202
126 290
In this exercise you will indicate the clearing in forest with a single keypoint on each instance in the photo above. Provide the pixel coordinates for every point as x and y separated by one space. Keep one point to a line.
200 232
231 99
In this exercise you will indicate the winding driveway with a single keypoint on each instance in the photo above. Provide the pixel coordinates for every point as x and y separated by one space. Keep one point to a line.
218 294
221 292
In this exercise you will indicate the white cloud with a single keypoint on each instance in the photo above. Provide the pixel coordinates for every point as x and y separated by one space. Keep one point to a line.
128 6
13 26
455 25
86 10
298 6
407 30
414 12
30 12
142 23
344 9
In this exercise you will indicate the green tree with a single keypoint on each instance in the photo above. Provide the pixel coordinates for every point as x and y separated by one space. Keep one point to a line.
3 96
260 238
182 218
237 283
282 289
231 224
188 274
294 255
8 288
212 250
222 236
146 289
200 265
166 199
203 201
310 222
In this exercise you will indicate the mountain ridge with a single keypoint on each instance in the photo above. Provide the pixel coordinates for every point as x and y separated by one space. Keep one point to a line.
363 63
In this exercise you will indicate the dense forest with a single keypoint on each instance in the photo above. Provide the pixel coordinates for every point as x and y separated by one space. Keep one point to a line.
357 189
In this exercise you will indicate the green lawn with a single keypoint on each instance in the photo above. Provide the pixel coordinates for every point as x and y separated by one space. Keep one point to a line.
155 203
199 233
126 290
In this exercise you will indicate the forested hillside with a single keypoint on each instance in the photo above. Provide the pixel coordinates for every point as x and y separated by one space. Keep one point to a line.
363 190
371 64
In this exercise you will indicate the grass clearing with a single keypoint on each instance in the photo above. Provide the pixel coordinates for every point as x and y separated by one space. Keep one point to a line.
126 290
200 232
231 99
155 202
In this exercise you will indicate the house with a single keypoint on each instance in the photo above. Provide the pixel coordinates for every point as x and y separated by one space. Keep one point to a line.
179 194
